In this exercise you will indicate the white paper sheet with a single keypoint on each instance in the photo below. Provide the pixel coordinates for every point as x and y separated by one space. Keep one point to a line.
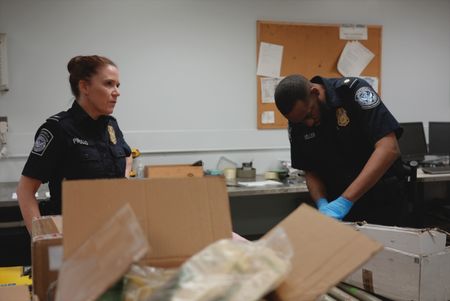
259 183
268 85
268 117
354 59
269 60
353 32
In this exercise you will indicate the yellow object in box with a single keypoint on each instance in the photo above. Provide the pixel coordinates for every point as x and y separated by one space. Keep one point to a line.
13 276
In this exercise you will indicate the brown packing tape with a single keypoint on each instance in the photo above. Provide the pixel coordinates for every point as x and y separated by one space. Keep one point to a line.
103 258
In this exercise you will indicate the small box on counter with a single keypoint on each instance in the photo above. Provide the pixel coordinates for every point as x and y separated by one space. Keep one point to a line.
173 171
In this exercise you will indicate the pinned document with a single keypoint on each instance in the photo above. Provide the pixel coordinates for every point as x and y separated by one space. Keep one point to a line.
268 86
269 60
268 117
354 59
353 32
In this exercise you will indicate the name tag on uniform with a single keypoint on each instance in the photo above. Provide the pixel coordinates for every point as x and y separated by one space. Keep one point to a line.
79 141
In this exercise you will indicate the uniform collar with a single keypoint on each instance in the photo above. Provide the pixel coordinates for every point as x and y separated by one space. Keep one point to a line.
332 99
83 117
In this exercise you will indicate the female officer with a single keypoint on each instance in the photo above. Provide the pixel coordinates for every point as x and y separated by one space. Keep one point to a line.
84 142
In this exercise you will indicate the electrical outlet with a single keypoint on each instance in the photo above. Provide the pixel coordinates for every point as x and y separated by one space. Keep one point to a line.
3 130
3 124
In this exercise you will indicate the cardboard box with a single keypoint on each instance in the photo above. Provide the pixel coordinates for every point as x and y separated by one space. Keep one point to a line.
172 171
414 265
181 216
46 252
416 241
14 293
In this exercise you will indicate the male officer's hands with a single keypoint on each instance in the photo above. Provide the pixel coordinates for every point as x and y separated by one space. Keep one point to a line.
337 208
321 202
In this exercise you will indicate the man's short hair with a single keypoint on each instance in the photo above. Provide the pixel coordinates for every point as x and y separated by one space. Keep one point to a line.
290 90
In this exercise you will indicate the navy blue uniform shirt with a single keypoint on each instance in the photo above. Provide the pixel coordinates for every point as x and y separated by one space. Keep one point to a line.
71 145
352 121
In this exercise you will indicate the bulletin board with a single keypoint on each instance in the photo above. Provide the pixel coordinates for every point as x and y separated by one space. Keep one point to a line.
310 49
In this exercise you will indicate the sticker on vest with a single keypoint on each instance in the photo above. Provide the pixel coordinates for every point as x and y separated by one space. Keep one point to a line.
309 136
342 117
42 141
112 134
367 98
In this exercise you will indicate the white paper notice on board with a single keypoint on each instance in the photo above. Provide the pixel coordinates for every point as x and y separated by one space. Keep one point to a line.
268 117
269 60
354 59
268 86
353 32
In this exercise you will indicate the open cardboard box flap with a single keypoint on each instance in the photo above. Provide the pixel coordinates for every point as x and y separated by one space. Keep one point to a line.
325 252
182 216
179 216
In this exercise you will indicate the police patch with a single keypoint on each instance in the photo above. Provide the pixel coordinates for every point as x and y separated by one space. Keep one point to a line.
42 142
367 98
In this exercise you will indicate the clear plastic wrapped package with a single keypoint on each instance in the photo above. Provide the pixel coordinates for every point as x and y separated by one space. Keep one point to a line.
231 271
141 282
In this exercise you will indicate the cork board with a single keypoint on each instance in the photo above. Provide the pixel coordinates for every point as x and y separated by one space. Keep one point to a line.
310 49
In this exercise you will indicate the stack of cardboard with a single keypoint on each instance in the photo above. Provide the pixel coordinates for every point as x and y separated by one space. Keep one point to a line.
178 218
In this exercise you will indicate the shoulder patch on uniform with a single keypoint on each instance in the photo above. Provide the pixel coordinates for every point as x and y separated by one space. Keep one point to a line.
42 141
367 98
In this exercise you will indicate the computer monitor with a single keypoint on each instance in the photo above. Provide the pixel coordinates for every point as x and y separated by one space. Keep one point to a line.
439 138
413 145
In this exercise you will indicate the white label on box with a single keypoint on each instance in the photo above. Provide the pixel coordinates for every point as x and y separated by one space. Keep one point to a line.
55 258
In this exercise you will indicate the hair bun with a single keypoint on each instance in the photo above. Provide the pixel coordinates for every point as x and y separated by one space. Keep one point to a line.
73 63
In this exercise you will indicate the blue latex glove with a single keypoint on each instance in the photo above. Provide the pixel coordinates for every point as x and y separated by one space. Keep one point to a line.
321 202
337 208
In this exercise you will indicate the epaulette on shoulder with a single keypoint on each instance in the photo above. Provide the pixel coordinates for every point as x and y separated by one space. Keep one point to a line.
58 117
347 82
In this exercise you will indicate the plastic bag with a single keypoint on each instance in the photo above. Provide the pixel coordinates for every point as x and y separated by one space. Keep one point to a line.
231 271
141 282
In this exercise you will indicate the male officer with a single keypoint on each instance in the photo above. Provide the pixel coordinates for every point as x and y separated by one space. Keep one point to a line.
345 140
